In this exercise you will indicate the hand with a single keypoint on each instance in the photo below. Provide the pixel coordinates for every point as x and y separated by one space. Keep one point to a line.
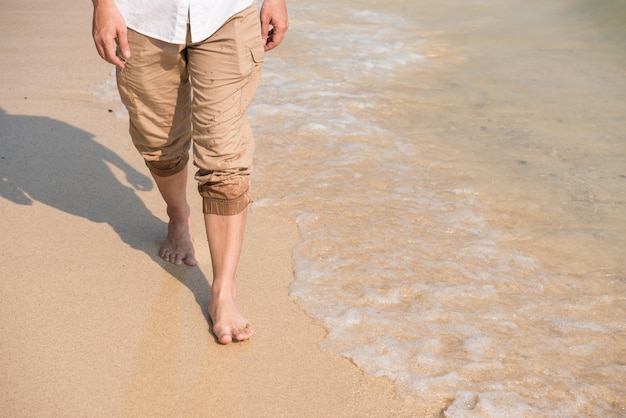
274 14
108 27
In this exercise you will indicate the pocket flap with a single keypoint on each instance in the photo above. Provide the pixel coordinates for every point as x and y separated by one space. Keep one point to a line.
258 53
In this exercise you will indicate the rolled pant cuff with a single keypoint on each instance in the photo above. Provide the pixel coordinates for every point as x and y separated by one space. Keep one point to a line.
225 207
168 168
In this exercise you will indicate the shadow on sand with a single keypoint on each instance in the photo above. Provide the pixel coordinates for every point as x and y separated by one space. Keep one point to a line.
49 161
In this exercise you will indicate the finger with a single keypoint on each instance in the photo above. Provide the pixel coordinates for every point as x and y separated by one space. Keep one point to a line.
277 36
265 29
122 43
100 50
268 41
110 54
106 48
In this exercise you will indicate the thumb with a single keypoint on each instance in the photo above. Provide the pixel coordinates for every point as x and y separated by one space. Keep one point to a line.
265 29
122 43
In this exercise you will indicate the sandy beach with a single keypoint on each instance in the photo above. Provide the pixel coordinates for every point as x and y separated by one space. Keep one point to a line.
438 226
93 323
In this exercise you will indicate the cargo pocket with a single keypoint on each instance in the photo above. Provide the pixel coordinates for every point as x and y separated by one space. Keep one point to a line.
257 54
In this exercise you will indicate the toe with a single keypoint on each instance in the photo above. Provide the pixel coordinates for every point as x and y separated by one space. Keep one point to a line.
225 338
190 260
245 333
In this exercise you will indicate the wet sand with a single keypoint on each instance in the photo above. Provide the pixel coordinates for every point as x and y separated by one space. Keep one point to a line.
93 323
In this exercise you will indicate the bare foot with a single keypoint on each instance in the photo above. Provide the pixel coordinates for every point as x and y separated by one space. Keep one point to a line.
178 246
228 324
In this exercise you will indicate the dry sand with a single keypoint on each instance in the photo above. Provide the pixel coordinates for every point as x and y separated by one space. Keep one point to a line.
92 322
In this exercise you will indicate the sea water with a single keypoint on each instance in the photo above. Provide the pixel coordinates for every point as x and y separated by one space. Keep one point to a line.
457 171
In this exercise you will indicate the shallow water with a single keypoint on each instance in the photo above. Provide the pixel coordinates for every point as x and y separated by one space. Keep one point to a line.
457 170
458 174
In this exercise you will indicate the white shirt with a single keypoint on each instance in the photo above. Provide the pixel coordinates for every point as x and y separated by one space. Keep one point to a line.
167 20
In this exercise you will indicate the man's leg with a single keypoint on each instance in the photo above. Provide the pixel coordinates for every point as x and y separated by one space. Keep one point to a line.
178 246
154 87
225 235
225 71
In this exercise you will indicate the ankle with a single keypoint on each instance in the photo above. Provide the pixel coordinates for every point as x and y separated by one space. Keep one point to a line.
221 291
179 213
